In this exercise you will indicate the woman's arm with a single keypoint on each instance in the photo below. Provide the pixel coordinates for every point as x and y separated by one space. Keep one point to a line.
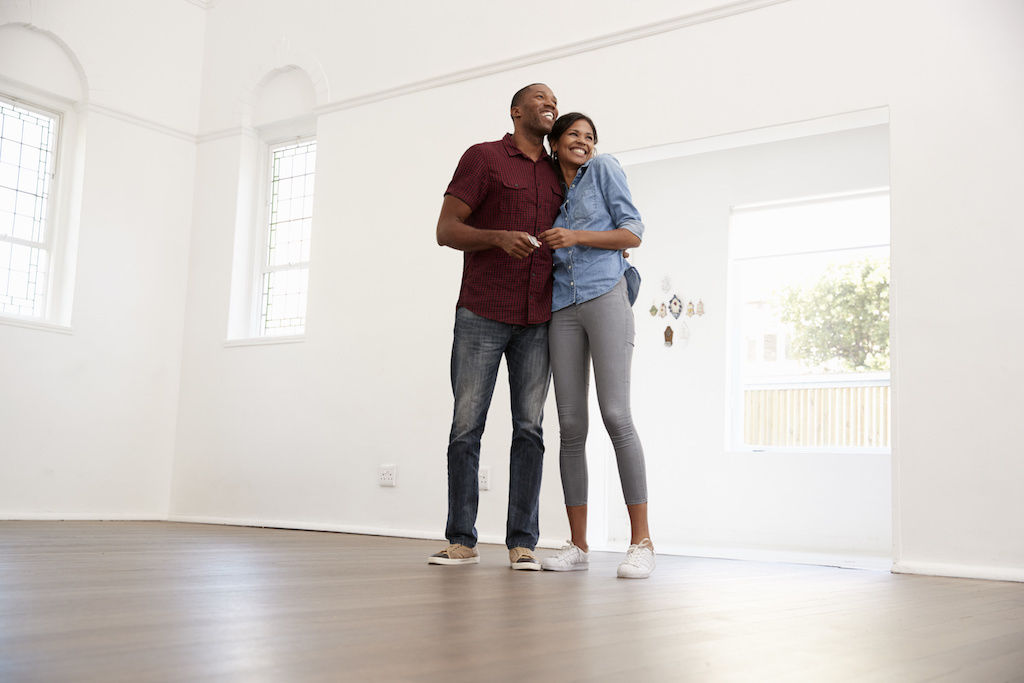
611 181
614 240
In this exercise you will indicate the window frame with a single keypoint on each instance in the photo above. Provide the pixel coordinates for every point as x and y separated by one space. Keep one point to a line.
53 229
260 266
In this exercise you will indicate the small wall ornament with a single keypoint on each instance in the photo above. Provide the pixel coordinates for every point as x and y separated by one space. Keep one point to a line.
675 306
668 335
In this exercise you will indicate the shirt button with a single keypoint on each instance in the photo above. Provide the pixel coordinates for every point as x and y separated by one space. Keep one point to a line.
572 283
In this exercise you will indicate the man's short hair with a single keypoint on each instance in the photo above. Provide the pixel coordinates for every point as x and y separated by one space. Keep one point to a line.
517 99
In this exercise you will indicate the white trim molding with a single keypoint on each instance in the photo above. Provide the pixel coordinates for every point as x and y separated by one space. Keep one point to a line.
33 324
93 107
284 55
833 123
568 50
959 571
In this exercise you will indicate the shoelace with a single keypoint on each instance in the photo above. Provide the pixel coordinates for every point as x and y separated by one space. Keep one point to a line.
635 552
568 550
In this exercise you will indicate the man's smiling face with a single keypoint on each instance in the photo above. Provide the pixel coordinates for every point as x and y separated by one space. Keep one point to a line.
537 109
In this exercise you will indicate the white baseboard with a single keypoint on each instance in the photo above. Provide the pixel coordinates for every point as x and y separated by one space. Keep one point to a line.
959 571
81 517
848 561
345 529
821 559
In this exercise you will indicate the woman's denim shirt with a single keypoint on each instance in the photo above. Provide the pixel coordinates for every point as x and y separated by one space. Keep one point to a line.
598 199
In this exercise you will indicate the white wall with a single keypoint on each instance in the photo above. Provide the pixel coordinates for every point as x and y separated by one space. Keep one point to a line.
370 383
87 415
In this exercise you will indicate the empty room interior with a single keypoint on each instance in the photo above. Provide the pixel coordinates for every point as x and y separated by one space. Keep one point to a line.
226 331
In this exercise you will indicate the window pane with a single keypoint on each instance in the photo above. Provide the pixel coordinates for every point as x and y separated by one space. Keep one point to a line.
812 286
291 204
283 307
22 284
283 304
27 141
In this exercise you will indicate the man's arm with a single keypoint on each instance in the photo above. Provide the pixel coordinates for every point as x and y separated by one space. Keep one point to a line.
454 232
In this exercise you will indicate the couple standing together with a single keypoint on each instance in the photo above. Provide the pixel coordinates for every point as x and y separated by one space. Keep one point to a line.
544 277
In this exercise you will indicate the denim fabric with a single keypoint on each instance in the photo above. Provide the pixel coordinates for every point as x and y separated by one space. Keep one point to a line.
598 199
476 354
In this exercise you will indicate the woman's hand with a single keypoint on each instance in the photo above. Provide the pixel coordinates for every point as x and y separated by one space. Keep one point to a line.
558 238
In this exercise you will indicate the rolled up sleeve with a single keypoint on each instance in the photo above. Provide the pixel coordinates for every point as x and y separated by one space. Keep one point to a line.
611 180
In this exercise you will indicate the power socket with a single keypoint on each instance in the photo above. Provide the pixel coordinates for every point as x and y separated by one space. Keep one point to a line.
387 475
484 477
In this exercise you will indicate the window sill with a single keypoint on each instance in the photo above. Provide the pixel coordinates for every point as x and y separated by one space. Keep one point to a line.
34 324
265 341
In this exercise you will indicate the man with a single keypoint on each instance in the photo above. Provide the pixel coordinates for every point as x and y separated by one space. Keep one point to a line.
502 195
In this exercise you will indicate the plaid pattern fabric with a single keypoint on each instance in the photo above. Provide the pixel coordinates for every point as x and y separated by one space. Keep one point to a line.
506 190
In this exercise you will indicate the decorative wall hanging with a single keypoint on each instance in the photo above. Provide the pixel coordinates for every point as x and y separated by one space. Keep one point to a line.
668 336
689 309
700 307
684 333
654 310
662 312
675 306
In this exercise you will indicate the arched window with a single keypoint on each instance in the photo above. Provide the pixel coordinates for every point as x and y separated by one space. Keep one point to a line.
275 249
41 88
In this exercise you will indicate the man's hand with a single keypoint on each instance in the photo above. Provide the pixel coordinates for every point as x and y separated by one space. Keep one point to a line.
558 238
516 244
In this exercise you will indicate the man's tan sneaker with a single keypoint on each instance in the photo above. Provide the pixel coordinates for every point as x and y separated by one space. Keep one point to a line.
522 558
456 553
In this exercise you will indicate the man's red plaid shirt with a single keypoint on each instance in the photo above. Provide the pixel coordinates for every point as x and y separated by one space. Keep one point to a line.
506 190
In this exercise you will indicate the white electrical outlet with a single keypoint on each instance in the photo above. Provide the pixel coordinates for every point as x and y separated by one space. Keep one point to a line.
484 475
387 475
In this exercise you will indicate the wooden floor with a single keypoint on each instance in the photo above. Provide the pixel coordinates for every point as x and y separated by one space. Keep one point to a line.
154 601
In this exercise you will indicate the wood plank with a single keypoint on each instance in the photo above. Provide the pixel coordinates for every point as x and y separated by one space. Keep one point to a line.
154 601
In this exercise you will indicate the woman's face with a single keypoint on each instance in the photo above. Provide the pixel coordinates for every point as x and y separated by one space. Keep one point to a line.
576 145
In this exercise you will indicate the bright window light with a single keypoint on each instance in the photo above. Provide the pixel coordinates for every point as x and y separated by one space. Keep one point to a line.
27 143
809 298
284 276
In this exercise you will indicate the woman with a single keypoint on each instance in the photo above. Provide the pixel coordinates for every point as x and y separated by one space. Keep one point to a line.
592 319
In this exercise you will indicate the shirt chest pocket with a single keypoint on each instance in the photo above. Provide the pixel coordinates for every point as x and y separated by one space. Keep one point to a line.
515 198
587 208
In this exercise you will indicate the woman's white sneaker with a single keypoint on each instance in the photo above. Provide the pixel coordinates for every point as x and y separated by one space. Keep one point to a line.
639 562
569 559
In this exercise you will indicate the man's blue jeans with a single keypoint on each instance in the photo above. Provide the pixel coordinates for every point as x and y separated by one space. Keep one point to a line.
476 354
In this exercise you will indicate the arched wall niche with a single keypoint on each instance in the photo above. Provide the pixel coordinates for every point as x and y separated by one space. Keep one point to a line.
284 94
38 60
277 74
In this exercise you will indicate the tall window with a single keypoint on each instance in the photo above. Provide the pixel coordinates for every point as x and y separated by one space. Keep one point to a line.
28 139
810 311
284 275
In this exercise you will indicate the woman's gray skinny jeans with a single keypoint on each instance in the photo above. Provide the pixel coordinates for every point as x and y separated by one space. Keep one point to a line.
602 329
